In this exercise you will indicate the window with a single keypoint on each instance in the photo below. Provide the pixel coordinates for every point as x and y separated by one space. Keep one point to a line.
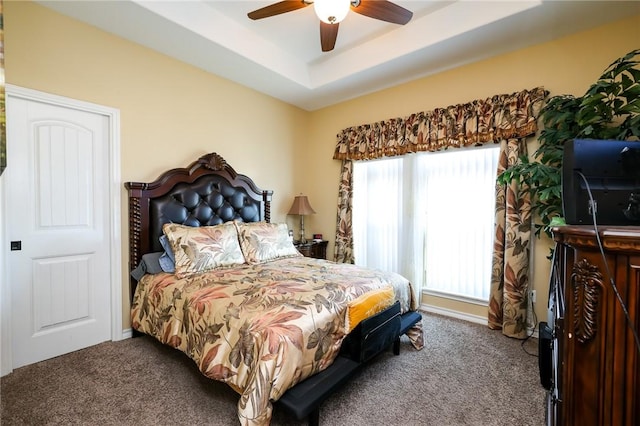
378 183
430 217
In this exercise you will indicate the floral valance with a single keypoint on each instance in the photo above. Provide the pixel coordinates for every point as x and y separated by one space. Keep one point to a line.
475 123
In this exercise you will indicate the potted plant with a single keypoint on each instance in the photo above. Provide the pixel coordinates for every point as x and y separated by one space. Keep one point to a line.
610 109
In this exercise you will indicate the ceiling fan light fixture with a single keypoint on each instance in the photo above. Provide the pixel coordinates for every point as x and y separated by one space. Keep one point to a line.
331 11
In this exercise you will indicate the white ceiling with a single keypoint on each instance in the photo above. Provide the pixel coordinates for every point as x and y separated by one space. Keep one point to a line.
281 57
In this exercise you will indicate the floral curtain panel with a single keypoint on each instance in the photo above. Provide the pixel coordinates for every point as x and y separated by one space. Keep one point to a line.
507 117
344 231
509 297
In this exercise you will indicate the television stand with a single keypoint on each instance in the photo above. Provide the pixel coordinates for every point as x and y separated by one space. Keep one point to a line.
595 376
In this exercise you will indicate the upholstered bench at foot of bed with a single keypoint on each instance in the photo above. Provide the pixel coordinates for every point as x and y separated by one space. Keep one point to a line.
372 335
369 338
304 399
407 320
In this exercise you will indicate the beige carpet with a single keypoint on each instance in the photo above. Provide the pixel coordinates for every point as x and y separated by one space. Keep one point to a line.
465 375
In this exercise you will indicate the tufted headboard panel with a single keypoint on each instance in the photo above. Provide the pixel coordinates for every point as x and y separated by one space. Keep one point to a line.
207 192
210 200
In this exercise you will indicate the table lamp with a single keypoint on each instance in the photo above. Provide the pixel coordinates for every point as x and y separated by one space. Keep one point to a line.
301 207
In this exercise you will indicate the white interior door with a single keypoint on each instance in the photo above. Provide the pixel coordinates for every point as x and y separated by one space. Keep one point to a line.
57 203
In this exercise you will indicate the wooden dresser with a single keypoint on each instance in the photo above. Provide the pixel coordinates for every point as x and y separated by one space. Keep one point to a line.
595 361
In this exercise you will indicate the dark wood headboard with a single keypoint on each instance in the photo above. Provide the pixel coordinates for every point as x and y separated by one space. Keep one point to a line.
207 192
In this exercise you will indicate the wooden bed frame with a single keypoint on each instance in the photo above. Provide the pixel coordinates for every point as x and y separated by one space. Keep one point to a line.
207 192
210 192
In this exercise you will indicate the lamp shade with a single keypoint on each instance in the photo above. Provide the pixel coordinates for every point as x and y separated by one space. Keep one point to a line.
301 206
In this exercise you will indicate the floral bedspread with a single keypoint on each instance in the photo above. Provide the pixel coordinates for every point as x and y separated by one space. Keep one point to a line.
260 328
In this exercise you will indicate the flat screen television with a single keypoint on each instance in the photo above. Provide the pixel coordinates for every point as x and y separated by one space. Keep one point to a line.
611 168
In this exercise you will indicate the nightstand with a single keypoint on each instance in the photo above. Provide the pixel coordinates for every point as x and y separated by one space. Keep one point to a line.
317 249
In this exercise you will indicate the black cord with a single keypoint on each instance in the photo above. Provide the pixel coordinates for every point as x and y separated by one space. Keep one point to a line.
606 265
535 317
533 330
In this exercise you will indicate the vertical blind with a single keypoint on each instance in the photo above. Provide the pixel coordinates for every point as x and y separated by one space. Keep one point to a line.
443 203
377 203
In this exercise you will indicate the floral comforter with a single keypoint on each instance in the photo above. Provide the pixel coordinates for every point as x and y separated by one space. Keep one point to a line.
260 328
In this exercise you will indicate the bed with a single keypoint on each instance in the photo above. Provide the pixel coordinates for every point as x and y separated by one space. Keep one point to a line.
215 279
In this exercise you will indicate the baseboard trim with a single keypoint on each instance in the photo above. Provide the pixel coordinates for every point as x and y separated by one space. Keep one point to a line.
453 314
531 332
126 334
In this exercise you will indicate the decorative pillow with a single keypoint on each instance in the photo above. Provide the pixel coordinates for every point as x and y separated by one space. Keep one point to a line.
202 248
148 265
367 305
261 241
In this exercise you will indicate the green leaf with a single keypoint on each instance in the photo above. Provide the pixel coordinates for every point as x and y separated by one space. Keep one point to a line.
626 82
635 73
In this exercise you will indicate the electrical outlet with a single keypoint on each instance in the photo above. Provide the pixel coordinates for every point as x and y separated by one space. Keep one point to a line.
533 296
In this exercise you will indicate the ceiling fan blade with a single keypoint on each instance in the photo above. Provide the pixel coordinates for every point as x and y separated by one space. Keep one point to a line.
328 36
277 9
384 11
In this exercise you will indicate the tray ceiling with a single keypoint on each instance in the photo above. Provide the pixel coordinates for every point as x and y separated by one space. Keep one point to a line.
281 56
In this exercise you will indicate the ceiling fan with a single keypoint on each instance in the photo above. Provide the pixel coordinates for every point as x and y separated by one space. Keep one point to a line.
331 12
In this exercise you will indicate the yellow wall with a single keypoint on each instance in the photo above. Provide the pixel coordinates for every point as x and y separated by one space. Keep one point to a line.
172 112
565 66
